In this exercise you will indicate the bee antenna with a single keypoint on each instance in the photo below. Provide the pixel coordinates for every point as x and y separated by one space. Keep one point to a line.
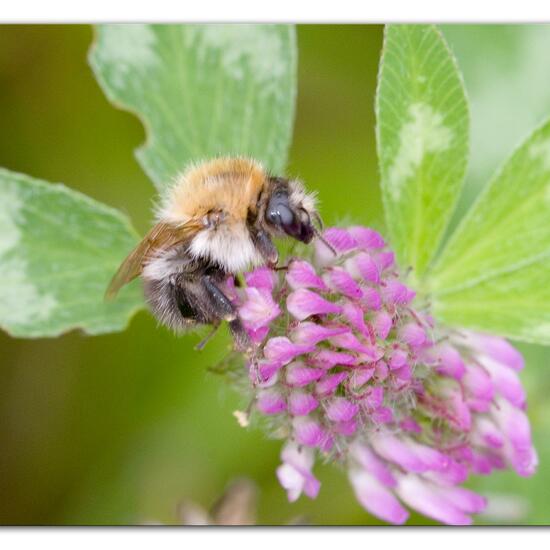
319 235
319 220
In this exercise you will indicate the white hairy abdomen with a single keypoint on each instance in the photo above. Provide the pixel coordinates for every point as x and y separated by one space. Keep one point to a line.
228 246
163 265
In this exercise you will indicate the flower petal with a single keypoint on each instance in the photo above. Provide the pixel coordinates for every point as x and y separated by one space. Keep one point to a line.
366 237
360 377
413 335
514 425
395 292
383 323
368 460
464 499
382 415
349 342
506 382
298 375
329 383
355 316
371 299
327 359
302 274
478 383
295 472
312 333
341 410
385 260
395 450
453 474
367 267
261 277
339 280
486 433
259 335
340 239
264 372
341 242
303 303
374 398
381 370
496 348
281 349
270 402
308 432
457 409
376 498
291 480
347 428
398 359
430 457
451 363
424 497
409 424
259 309
301 403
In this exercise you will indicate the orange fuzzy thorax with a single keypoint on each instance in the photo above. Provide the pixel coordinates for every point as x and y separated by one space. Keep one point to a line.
230 184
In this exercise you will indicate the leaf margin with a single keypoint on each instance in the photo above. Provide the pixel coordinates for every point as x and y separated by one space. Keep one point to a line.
101 207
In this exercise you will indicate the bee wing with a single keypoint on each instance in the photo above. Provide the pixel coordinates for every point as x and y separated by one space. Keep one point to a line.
160 237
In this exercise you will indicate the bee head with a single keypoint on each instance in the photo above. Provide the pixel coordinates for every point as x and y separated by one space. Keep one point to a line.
291 210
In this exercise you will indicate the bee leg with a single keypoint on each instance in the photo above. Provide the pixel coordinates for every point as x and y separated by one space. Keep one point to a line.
223 306
206 339
182 300
226 310
265 246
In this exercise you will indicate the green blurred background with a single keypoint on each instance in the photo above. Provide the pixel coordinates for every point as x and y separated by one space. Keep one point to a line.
119 429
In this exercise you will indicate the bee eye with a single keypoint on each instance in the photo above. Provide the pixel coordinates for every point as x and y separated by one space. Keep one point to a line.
295 224
278 210
279 213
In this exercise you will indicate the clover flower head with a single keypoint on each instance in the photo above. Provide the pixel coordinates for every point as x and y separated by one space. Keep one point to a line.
351 370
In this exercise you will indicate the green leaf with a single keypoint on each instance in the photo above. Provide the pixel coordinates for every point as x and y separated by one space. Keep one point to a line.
422 139
202 90
507 79
58 251
494 273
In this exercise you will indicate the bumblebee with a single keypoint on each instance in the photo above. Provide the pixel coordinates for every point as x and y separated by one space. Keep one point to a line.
218 219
